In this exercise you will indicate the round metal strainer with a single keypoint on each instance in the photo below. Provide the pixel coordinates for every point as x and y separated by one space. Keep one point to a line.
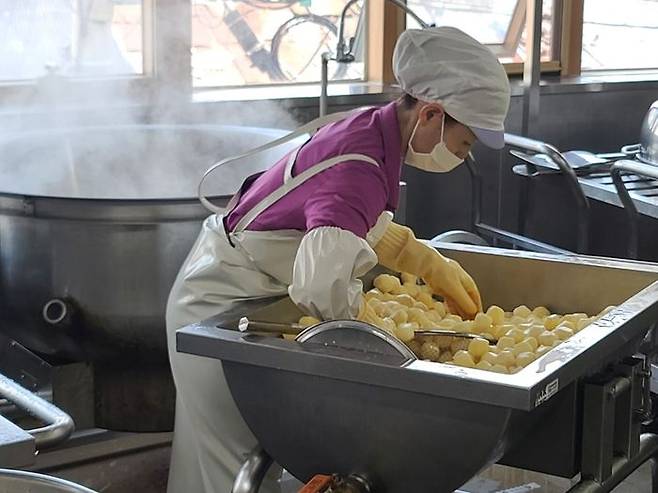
357 336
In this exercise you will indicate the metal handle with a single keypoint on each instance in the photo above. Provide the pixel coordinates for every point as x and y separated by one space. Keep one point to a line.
557 157
631 150
637 168
59 425
251 474
452 333
246 325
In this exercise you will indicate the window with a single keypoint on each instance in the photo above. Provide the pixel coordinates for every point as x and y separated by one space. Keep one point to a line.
500 24
259 42
70 37
620 35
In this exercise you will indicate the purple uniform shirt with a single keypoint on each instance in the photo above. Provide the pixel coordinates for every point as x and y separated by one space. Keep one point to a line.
350 195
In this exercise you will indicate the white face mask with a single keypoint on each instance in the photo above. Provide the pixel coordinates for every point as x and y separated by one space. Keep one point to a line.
440 160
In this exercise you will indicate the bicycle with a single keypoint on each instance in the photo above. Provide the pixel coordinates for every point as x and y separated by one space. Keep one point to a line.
272 61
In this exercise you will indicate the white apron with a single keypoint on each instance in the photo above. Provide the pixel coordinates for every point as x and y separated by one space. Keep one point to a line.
211 440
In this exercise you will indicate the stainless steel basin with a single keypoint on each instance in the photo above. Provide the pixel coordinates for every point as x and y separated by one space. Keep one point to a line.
424 426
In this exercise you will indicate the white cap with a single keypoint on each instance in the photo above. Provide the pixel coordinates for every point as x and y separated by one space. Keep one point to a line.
445 65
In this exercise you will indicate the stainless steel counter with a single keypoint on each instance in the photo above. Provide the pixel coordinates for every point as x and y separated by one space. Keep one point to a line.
644 191
17 446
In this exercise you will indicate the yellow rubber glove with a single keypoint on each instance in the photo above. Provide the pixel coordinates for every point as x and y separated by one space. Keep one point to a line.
399 250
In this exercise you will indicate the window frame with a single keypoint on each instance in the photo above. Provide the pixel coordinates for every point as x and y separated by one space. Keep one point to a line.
167 41
567 37
159 66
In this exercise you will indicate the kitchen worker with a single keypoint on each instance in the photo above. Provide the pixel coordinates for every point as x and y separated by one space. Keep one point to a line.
320 218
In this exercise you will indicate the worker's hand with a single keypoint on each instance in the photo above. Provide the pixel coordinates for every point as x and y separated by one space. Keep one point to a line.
400 251
450 281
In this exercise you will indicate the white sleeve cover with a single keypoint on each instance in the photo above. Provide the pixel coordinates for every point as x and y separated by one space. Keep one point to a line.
325 274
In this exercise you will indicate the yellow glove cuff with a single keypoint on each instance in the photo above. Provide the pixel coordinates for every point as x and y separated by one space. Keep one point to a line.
400 251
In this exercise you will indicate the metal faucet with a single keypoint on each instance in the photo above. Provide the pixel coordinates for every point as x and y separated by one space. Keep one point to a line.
344 52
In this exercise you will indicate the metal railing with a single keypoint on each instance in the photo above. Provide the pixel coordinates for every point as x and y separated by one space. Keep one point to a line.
58 425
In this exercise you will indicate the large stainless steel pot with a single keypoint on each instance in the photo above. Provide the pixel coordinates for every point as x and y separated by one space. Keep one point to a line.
338 405
647 150
94 225
649 136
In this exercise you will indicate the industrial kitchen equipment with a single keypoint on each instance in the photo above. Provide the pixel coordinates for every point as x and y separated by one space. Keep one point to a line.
94 224
346 402
29 482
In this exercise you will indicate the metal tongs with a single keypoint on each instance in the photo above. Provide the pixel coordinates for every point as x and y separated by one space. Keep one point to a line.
246 325
452 333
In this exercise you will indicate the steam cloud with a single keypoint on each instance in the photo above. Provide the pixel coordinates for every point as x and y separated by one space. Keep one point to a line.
93 137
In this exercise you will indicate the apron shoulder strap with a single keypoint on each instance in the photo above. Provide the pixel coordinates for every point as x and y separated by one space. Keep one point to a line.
294 182
310 127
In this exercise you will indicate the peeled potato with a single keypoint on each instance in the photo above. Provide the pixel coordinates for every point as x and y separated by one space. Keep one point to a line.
400 317
524 359
547 338
308 321
434 316
373 294
522 347
483 322
415 313
505 342
532 342
389 325
506 358
552 321
463 358
542 350
522 311
404 305
405 299
490 357
517 334
387 283
535 330
497 314
478 348
430 351
563 332
541 312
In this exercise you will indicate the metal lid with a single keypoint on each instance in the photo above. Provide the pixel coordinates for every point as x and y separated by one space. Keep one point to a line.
131 162
13 481
649 137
